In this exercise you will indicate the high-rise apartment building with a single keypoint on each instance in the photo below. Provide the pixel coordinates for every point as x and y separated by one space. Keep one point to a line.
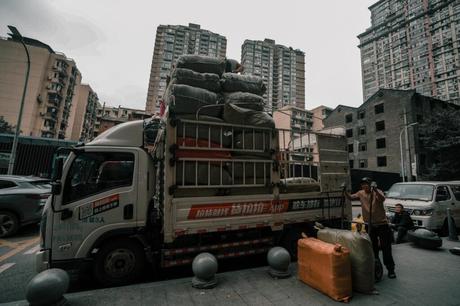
171 42
50 89
282 69
84 112
413 44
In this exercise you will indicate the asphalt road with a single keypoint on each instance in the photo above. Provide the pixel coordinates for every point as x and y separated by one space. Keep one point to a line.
17 263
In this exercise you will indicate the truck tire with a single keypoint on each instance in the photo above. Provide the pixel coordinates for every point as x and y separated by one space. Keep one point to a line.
9 224
119 262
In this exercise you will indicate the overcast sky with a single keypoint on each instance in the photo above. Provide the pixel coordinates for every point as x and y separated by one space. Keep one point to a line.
112 41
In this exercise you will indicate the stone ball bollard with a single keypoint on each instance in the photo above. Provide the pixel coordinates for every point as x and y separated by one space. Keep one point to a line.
279 259
48 287
204 268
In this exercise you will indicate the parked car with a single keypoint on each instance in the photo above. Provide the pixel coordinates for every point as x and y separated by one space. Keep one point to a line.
427 203
22 199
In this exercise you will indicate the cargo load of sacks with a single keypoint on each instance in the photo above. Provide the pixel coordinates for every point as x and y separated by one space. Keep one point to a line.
200 88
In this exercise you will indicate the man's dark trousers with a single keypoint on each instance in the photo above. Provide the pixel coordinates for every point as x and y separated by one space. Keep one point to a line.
384 234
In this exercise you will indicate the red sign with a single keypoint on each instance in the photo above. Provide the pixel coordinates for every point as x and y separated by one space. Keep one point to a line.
205 211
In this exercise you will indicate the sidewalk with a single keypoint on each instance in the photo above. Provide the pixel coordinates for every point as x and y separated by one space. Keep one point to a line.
424 277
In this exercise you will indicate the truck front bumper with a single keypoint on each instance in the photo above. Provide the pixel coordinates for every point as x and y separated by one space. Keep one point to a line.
42 260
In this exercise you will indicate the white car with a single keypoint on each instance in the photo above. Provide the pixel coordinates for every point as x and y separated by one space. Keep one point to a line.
426 202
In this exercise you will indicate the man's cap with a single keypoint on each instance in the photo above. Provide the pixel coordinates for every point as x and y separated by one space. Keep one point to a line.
366 180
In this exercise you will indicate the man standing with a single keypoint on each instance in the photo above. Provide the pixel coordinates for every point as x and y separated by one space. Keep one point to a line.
401 222
372 200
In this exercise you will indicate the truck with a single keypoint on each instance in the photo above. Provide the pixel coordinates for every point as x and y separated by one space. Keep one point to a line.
155 193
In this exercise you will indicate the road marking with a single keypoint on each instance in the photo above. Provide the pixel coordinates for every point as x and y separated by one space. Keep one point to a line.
32 250
26 244
8 243
6 266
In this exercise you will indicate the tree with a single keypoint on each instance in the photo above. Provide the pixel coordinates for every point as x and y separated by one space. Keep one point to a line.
440 136
5 127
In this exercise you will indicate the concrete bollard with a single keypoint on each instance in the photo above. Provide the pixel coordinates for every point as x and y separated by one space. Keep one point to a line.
451 226
279 259
204 268
47 288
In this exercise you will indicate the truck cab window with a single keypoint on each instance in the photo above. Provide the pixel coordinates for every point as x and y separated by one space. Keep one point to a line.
93 173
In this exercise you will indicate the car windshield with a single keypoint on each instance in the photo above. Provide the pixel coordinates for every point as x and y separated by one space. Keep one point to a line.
41 184
411 192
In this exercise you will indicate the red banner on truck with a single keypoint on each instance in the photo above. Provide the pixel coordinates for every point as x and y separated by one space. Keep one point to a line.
205 211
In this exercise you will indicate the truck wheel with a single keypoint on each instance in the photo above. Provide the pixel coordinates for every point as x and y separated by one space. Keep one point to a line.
9 224
119 262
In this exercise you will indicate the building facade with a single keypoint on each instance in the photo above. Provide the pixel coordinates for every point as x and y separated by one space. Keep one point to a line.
50 91
413 44
319 114
282 69
171 42
375 129
109 116
83 115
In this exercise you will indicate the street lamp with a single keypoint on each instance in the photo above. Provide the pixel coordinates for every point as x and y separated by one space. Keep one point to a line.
15 34
403 172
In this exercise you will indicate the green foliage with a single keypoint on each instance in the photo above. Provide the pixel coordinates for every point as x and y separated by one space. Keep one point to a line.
441 137
5 127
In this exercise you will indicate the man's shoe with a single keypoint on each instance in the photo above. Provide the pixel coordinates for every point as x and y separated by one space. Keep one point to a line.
391 274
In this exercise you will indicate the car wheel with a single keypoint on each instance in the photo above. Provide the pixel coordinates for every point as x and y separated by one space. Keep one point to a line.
119 262
9 224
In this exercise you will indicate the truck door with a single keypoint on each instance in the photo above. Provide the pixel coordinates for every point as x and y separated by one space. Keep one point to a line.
98 195
444 200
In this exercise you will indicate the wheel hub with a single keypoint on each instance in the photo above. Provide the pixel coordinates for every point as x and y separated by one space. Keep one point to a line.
6 224
119 263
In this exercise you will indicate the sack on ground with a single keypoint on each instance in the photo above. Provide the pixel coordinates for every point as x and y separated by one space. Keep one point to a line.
243 116
232 82
245 100
325 267
361 255
208 81
202 64
184 99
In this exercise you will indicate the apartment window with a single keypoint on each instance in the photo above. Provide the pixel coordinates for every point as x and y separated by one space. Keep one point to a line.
362 130
351 162
363 163
381 161
380 125
349 133
350 148
362 147
380 143
379 108
361 114
348 118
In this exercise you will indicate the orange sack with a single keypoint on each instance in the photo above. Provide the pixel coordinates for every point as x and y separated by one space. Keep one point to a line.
325 267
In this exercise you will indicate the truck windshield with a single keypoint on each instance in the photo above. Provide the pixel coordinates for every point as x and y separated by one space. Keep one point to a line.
92 173
411 192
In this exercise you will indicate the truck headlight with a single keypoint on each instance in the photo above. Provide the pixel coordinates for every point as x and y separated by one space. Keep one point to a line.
422 212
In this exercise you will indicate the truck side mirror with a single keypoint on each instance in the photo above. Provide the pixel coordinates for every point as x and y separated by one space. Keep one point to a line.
57 169
56 187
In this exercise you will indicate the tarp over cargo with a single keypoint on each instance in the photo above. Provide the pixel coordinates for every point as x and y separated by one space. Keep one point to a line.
184 99
243 116
232 82
203 64
208 81
245 100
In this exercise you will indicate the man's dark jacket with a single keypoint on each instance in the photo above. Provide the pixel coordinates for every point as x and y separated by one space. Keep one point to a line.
402 219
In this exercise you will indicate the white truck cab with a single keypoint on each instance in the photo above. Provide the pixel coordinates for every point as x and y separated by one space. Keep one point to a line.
426 202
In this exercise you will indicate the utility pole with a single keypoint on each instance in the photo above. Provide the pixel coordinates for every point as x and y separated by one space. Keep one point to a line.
15 33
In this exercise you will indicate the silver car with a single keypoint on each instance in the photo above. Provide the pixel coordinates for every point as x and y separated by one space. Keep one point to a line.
22 199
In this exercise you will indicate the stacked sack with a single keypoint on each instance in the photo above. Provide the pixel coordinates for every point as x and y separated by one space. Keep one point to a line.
200 84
